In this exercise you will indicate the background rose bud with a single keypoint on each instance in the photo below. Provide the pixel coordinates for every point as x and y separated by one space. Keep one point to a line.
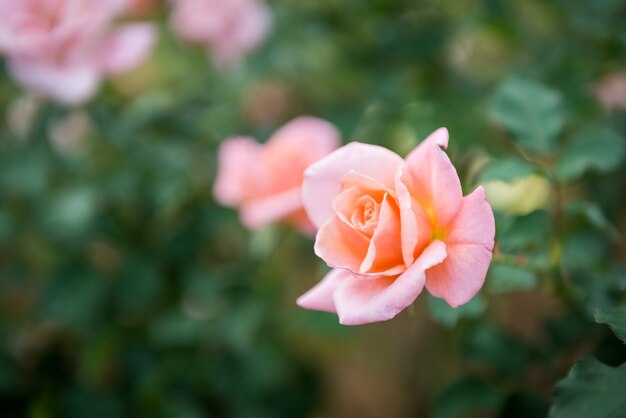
519 197
610 91
390 226
228 28
63 49
263 181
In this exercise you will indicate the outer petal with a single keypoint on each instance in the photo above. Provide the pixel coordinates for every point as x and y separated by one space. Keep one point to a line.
322 180
384 255
260 212
320 297
340 246
360 301
236 161
127 47
474 223
470 239
307 135
66 85
435 182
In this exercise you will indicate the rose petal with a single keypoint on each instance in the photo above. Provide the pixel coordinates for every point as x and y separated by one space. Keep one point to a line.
260 212
384 255
293 148
365 183
322 180
236 160
317 136
417 230
340 246
361 301
68 85
474 223
320 296
469 238
435 182
127 47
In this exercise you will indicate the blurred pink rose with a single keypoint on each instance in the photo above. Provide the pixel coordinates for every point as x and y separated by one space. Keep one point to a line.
264 180
610 91
228 28
389 226
63 48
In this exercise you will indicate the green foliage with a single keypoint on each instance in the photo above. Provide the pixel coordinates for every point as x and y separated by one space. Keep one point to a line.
448 316
506 169
598 149
495 349
506 278
616 319
468 397
591 389
532 112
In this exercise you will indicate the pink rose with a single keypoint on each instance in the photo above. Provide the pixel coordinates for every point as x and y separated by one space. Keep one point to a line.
264 180
390 226
228 28
63 48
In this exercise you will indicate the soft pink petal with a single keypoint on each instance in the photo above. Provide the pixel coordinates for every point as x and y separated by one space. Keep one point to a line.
127 47
417 229
309 136
263 211
229 29
470 240
363 182
68 85
384 255
322 180
340 246
293 148
320 296
459 278
407 219
474 223
360 301
236 160
435 182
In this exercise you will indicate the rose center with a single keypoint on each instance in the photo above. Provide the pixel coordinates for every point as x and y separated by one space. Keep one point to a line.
365 215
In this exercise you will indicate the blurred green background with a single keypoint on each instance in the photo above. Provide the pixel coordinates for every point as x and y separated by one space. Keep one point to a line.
125 291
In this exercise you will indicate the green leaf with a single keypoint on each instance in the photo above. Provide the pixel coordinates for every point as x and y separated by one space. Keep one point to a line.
506 169
525 232
591 389
74 299
468 397
448 316
596 217
490 347
593 149
584 250
531 111
174 329
616 319
507 278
